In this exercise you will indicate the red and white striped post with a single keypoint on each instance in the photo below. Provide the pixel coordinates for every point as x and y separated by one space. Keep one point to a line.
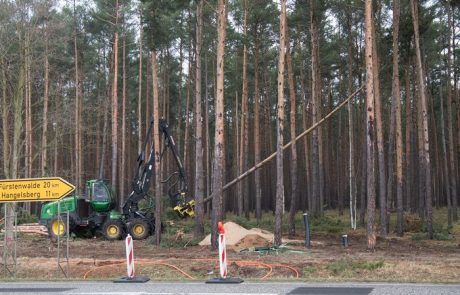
130 265
223 260
130 256
222 251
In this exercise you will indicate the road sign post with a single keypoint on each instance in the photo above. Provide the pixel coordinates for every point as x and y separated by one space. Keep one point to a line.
28 190
34 189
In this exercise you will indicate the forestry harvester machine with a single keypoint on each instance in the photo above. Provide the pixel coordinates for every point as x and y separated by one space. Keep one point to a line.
97 210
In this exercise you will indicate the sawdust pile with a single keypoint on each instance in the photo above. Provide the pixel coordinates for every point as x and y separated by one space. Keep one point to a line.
238 237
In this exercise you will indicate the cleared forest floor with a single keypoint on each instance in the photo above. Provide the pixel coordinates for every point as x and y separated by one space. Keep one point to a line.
407 259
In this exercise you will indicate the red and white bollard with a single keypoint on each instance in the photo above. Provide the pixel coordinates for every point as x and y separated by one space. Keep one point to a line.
223 260
222 251
130 265
129 256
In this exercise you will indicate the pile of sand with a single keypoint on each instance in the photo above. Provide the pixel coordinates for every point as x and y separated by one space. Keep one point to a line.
238 237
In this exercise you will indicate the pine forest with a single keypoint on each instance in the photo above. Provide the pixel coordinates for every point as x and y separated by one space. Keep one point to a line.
279 107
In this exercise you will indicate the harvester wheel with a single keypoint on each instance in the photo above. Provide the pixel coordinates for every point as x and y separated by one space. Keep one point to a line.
113 229
57 227
139 229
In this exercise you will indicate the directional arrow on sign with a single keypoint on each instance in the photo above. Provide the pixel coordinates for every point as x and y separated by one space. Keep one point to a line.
34 189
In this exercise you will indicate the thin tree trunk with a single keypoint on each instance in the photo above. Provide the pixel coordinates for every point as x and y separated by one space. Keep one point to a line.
208 168
5 123
409 124
257 144
370 119
445 164
293 160
78 155
121 194
199 171
279 208
44 148
424 111
139 96
115 102
28 109
217 175
104 139
244 143
379 132
179 107
18 100
351 159
156 144
316 106
452 166
397 103
187 111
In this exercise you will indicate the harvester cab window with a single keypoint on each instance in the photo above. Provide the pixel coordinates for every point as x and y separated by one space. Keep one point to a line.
100 192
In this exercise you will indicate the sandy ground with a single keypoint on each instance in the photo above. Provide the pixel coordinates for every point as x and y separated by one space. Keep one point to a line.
398 259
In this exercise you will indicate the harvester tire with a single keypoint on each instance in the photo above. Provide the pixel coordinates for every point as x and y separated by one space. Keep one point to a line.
113 229
57 227
139 229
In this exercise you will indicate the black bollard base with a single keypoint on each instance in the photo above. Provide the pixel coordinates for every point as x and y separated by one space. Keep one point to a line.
132 280
224 281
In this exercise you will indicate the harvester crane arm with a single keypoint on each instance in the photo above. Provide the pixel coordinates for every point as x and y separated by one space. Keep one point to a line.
142 177
177 181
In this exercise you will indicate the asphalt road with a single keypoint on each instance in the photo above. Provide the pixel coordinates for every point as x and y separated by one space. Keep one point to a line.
200 288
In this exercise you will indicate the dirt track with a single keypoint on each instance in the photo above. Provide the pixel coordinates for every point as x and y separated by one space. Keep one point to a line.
397 259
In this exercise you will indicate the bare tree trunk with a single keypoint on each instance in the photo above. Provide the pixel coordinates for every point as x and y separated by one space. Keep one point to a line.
409 124
244 143
380 142
18 99
187 111
57 132
217 175
78 154
352 173
28 109
179 107
44 148
5 123
316 107
139 96
104 138
156 144
115 102
370 119
397 103
199 171
257 144
424 111
279 208
121 193
452 166
293 160
208 168
445 165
